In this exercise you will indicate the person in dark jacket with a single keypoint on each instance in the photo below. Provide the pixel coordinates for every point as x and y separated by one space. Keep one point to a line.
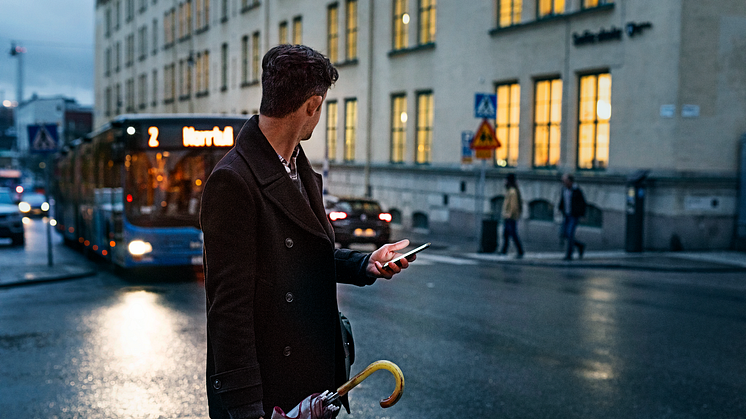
572 206
271 267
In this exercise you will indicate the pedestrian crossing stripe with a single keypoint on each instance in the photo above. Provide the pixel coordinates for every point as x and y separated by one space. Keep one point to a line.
43 141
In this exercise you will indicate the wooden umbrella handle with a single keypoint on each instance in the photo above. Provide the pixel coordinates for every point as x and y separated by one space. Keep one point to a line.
378 365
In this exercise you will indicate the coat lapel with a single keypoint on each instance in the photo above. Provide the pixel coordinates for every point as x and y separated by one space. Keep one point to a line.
274 182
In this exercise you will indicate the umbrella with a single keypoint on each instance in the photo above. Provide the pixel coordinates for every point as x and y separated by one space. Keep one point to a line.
323 406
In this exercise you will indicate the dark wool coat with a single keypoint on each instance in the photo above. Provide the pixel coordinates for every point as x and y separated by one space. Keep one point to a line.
271 269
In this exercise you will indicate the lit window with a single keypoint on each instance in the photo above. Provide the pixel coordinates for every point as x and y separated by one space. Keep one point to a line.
423 154
283 33
507 122
547 122
297 30
398 128
350 128
550 7
509 12
589 4
401 24
351 32
593 121
331 130
427 21
332 34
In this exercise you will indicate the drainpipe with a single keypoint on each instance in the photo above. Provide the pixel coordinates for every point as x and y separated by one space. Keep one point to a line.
369 104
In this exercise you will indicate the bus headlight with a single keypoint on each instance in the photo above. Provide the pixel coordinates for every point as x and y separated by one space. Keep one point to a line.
139 247
24 207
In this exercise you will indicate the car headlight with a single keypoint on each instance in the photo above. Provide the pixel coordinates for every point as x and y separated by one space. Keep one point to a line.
45 206
24 207
139 247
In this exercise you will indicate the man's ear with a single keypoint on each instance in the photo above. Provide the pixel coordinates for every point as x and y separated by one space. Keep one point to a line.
313 104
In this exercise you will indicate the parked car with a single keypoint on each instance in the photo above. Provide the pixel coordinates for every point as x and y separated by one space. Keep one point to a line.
11 219
33 203
358 220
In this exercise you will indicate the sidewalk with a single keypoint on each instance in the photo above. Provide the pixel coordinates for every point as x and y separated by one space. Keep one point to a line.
545 255
29 264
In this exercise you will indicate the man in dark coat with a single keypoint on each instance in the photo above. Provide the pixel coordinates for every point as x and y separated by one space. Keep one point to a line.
572 205
271 268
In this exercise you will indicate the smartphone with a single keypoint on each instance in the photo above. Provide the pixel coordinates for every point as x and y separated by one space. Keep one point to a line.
406 255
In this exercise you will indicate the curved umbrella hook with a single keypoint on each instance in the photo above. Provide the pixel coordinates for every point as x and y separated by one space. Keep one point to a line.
378 365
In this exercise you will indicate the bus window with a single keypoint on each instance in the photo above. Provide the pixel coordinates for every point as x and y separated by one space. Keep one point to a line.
164 188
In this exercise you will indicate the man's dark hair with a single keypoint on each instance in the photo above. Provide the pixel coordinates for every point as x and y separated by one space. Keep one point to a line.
290 75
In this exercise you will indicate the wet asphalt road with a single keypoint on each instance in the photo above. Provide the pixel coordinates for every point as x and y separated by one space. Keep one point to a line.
474 339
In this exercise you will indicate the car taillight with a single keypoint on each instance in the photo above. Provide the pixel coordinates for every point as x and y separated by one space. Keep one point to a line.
337 215
385 216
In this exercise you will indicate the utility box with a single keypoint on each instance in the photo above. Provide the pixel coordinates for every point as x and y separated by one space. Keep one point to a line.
635 209
488 242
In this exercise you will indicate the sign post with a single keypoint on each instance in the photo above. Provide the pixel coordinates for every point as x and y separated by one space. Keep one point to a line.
483 143
43 139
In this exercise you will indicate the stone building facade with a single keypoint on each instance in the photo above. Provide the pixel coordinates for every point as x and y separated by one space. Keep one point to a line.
603 89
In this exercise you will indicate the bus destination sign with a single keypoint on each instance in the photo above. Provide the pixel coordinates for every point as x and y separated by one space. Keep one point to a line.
191 137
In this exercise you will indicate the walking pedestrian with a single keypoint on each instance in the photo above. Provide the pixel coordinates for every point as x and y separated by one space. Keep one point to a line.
572 205
271 268
511 213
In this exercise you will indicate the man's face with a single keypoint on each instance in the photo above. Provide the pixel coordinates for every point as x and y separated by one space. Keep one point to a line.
312 122
566 181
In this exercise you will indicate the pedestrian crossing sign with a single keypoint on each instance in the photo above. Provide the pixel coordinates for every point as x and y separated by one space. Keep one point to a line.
485 138
485 105
42 138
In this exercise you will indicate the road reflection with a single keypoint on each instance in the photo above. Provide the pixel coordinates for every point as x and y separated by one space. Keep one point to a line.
138 348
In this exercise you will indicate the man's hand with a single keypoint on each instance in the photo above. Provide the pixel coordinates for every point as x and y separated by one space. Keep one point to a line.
384 254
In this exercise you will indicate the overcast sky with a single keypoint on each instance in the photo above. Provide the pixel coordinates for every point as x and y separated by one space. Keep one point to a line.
58 37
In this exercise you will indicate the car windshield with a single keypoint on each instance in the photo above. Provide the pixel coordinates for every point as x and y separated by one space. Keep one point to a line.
5 198
359 206
34 198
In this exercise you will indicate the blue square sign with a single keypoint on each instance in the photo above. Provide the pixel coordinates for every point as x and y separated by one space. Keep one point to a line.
485 105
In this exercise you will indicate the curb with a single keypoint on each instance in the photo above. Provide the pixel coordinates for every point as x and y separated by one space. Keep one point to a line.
37 275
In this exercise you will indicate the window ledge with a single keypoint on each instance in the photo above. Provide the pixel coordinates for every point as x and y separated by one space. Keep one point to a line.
224 88
250 7
182 98
224 19
202 93
185 38
168 101
250 83
552 18
202 30
347 63
404 51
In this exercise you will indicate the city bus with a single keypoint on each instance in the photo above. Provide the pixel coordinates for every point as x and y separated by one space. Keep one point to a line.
130 192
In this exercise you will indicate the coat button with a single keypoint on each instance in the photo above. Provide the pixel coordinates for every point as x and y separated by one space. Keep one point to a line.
217 384
286 351
289 297
288 242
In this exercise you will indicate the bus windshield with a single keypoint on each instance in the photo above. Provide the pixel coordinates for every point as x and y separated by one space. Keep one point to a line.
164 188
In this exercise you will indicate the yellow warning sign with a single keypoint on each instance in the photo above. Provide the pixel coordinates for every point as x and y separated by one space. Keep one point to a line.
485 138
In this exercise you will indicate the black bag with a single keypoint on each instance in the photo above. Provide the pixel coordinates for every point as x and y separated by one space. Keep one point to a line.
347 342
349 348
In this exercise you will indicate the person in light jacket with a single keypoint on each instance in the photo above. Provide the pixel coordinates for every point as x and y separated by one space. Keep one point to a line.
511 213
